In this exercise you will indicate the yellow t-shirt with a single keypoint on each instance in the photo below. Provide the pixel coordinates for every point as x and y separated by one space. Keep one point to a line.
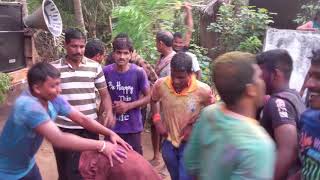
177 110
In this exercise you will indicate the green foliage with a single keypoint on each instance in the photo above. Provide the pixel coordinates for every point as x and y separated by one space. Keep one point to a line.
141 19
252 44
308 10
204 62
240 28
4 86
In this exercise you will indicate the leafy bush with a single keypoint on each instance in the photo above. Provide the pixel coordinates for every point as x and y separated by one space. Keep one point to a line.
141 19
251 44
307 11
4 86
204 62
240 28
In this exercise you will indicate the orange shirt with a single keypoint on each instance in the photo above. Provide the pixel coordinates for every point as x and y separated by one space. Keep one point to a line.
177 110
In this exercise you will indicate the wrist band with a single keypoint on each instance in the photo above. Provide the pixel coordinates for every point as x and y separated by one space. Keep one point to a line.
156 118
103 147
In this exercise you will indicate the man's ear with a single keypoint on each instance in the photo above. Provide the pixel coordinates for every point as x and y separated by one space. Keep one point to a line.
36 88
251 90
276 74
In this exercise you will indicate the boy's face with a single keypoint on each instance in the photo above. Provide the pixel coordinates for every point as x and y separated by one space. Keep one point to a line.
178 44
180 80
313 84
122 56
49 89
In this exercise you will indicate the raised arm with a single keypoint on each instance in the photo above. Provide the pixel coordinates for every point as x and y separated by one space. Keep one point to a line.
188 23
69 141
95 127
105 110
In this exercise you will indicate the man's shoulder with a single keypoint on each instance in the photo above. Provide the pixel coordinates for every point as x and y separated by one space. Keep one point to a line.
108 68
203 87
24 100
208 111
191 54
160 81
135 67
57 63
91 63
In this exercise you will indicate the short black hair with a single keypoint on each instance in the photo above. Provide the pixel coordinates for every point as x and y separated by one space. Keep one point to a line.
122 35
181 62
73 33
165 37
177 35
39 73
231 74
315 59
276 59
94 47
122 43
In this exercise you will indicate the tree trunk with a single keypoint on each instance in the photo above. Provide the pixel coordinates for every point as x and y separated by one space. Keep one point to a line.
78 15
24 8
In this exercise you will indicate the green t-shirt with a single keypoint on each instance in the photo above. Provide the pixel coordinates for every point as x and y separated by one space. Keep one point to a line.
225 145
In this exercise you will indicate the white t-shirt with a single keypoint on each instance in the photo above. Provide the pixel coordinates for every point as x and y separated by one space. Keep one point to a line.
195 63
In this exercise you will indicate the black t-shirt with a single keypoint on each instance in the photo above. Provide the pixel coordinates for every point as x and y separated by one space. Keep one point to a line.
282 108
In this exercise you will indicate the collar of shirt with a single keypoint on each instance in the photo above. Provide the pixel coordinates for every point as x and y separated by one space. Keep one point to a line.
65 62
225 110
192 86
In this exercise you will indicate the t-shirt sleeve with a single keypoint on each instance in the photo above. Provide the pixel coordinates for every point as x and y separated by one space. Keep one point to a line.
281 112
33 114
62 106
100 81
195 64
143 80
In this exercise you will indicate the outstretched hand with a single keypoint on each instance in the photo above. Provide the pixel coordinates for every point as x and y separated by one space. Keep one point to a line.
113 151
116 139
187 6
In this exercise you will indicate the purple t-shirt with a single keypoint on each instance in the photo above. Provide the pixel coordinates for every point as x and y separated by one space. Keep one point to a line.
127 86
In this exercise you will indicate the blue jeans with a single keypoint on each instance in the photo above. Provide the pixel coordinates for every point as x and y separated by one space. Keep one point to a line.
34 174
173 158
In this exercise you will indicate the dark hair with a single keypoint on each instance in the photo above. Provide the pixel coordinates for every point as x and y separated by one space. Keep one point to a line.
122 43
39 73
181 62
231 74
121 35
94 47
315 59
276 59
177 35
73 33
165 37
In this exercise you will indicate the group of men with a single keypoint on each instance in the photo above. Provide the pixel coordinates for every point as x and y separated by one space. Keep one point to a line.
261 129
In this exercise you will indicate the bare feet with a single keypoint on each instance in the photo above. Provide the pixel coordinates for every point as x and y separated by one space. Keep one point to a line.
155 161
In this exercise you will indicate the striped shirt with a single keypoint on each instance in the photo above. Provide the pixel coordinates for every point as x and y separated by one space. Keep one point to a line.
78 87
